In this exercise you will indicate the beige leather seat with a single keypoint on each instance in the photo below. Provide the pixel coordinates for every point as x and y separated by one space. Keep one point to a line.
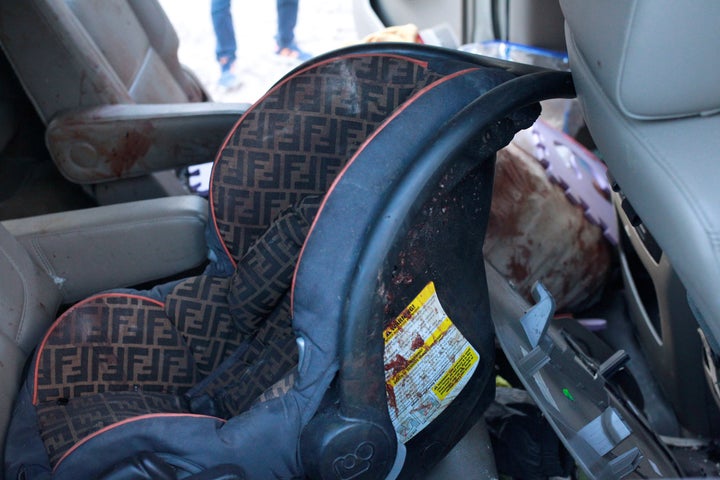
113 102
55 259
75 53
104 77
28 301
650 94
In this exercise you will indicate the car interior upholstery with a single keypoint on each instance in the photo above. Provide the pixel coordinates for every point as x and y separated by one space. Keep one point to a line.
655 137
117 119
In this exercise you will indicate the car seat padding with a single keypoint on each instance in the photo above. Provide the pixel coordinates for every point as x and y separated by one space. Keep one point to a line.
317 124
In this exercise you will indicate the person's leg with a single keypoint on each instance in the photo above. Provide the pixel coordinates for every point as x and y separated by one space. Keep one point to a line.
287 11
224 33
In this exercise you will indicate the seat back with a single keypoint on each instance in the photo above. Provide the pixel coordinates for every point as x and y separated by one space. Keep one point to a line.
28 301
81 53
646 74
301 140
74 56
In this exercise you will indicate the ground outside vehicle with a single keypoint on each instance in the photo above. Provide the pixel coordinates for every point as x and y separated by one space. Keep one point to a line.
628 409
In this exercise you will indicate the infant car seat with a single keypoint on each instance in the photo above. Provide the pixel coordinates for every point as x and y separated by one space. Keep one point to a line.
342 328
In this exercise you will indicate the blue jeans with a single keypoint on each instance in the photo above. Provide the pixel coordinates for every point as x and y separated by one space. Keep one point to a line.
224 33
287 12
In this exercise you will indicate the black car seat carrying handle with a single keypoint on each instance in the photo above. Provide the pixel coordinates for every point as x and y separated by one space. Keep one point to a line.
354 435
470 127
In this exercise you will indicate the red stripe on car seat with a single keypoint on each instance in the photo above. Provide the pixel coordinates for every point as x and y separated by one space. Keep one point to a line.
125 422
350 162
67 312
272 90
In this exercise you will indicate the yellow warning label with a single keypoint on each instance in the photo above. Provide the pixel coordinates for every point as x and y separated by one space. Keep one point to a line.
409 312
428 362
457 372
420 352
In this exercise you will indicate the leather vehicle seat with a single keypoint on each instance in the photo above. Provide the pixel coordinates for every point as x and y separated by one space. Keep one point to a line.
79 53
651 102
28 299
105 79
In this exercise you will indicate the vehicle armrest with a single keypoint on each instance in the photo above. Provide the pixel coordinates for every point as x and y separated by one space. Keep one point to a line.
86 251
97 144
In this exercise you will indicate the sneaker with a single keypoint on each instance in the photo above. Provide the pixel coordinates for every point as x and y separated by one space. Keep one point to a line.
229 80
293 51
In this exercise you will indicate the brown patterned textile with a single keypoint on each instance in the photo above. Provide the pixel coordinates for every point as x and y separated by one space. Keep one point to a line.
255 367
62 424
199 308
112 343
264 274
296 140
248 312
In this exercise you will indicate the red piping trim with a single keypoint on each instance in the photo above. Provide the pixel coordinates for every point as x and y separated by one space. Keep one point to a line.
252 108
70 310
352 160
125 422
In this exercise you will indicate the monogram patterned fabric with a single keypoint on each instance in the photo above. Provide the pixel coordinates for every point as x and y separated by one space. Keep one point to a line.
112 343
263 361
199 308
216 315
297 139
265 272
62 425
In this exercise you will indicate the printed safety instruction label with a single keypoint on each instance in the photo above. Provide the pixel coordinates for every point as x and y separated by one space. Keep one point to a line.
427 363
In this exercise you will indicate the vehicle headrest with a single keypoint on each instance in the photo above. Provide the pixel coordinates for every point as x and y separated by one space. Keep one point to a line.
654 59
